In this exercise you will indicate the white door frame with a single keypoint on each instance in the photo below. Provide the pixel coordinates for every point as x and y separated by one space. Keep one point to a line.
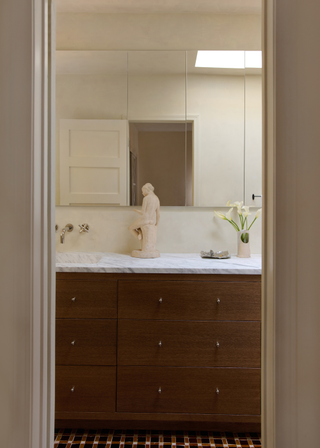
268 340
42 319
43 263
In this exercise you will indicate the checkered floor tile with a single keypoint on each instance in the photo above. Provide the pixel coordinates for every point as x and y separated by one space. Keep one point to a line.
79 438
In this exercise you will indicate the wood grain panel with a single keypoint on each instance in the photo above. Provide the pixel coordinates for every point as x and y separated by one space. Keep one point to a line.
94 389
93 299
188 343
94 342
188 390
183 300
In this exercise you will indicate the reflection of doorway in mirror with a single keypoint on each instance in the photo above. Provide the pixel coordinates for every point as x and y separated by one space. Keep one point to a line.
163 154
133 179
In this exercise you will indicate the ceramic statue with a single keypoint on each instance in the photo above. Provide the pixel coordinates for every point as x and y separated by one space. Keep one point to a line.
144 228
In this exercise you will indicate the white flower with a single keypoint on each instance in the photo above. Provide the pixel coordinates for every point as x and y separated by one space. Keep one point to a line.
246 212
228 215
239 206
258 213
243 212
220 215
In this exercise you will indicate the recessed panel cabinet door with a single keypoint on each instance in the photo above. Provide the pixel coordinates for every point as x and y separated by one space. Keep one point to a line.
93 162
85 389
86 342
193 344
189 300
188 390
86 299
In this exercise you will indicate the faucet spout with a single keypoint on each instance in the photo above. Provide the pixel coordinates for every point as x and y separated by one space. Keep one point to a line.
62 235
67 228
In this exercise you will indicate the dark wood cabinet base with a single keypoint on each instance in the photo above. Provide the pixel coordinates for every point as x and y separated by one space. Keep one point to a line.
158 352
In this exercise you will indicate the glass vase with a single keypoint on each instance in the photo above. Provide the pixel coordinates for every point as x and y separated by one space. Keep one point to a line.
244 244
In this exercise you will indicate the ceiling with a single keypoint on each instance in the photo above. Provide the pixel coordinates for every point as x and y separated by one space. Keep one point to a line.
163 6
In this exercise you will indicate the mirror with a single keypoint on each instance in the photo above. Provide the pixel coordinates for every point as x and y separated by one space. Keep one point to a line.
127 118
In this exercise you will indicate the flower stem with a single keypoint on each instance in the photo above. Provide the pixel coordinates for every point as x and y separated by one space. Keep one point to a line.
252 223
233 224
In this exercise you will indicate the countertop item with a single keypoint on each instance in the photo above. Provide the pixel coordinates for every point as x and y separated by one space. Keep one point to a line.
166 264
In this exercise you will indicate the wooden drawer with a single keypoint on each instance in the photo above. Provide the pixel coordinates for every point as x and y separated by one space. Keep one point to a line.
94 389
189 300
86 342
169 343
86 299
188 390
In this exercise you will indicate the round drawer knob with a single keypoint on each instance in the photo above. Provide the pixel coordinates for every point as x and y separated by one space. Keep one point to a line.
73 342
73 299
217 344
217 391
159 390
160 300
72 389
218 300
160 344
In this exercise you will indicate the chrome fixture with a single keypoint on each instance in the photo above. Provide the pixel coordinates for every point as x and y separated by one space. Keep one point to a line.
160 300
73 299
160 344
159 390
67 228
84 227
72 389
217 391
73 342
217 344
218 300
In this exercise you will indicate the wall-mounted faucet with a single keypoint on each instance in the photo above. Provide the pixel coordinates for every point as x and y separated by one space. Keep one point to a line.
67 228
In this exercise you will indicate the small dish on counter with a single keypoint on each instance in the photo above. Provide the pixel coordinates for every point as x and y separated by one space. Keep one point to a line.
221 254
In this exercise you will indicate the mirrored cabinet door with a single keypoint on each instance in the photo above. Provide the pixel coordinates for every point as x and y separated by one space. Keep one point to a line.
190 127
253 134
91 130
216 107
157 128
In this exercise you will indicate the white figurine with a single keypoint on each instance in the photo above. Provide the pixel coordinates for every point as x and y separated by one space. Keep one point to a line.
145 228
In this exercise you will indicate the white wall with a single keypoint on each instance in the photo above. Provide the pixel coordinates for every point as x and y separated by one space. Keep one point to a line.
82 31
16 200
181 230
297 140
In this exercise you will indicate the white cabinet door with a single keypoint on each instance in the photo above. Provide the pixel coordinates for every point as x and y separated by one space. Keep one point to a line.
93 162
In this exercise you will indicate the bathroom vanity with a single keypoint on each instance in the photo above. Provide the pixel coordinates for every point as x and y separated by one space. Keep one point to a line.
166 343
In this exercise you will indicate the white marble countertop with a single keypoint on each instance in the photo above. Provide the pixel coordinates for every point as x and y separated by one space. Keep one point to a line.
166 264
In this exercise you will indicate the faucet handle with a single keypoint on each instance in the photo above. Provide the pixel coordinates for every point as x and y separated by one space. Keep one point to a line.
68 227
84 227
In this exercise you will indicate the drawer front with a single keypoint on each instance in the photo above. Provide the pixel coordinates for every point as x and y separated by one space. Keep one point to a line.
189 300
85 389
207 344
188 390
86 299
86 342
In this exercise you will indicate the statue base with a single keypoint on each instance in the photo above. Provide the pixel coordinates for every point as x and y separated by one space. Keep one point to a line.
145 254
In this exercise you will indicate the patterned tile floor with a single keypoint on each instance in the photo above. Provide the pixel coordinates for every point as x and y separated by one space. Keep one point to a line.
80 438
